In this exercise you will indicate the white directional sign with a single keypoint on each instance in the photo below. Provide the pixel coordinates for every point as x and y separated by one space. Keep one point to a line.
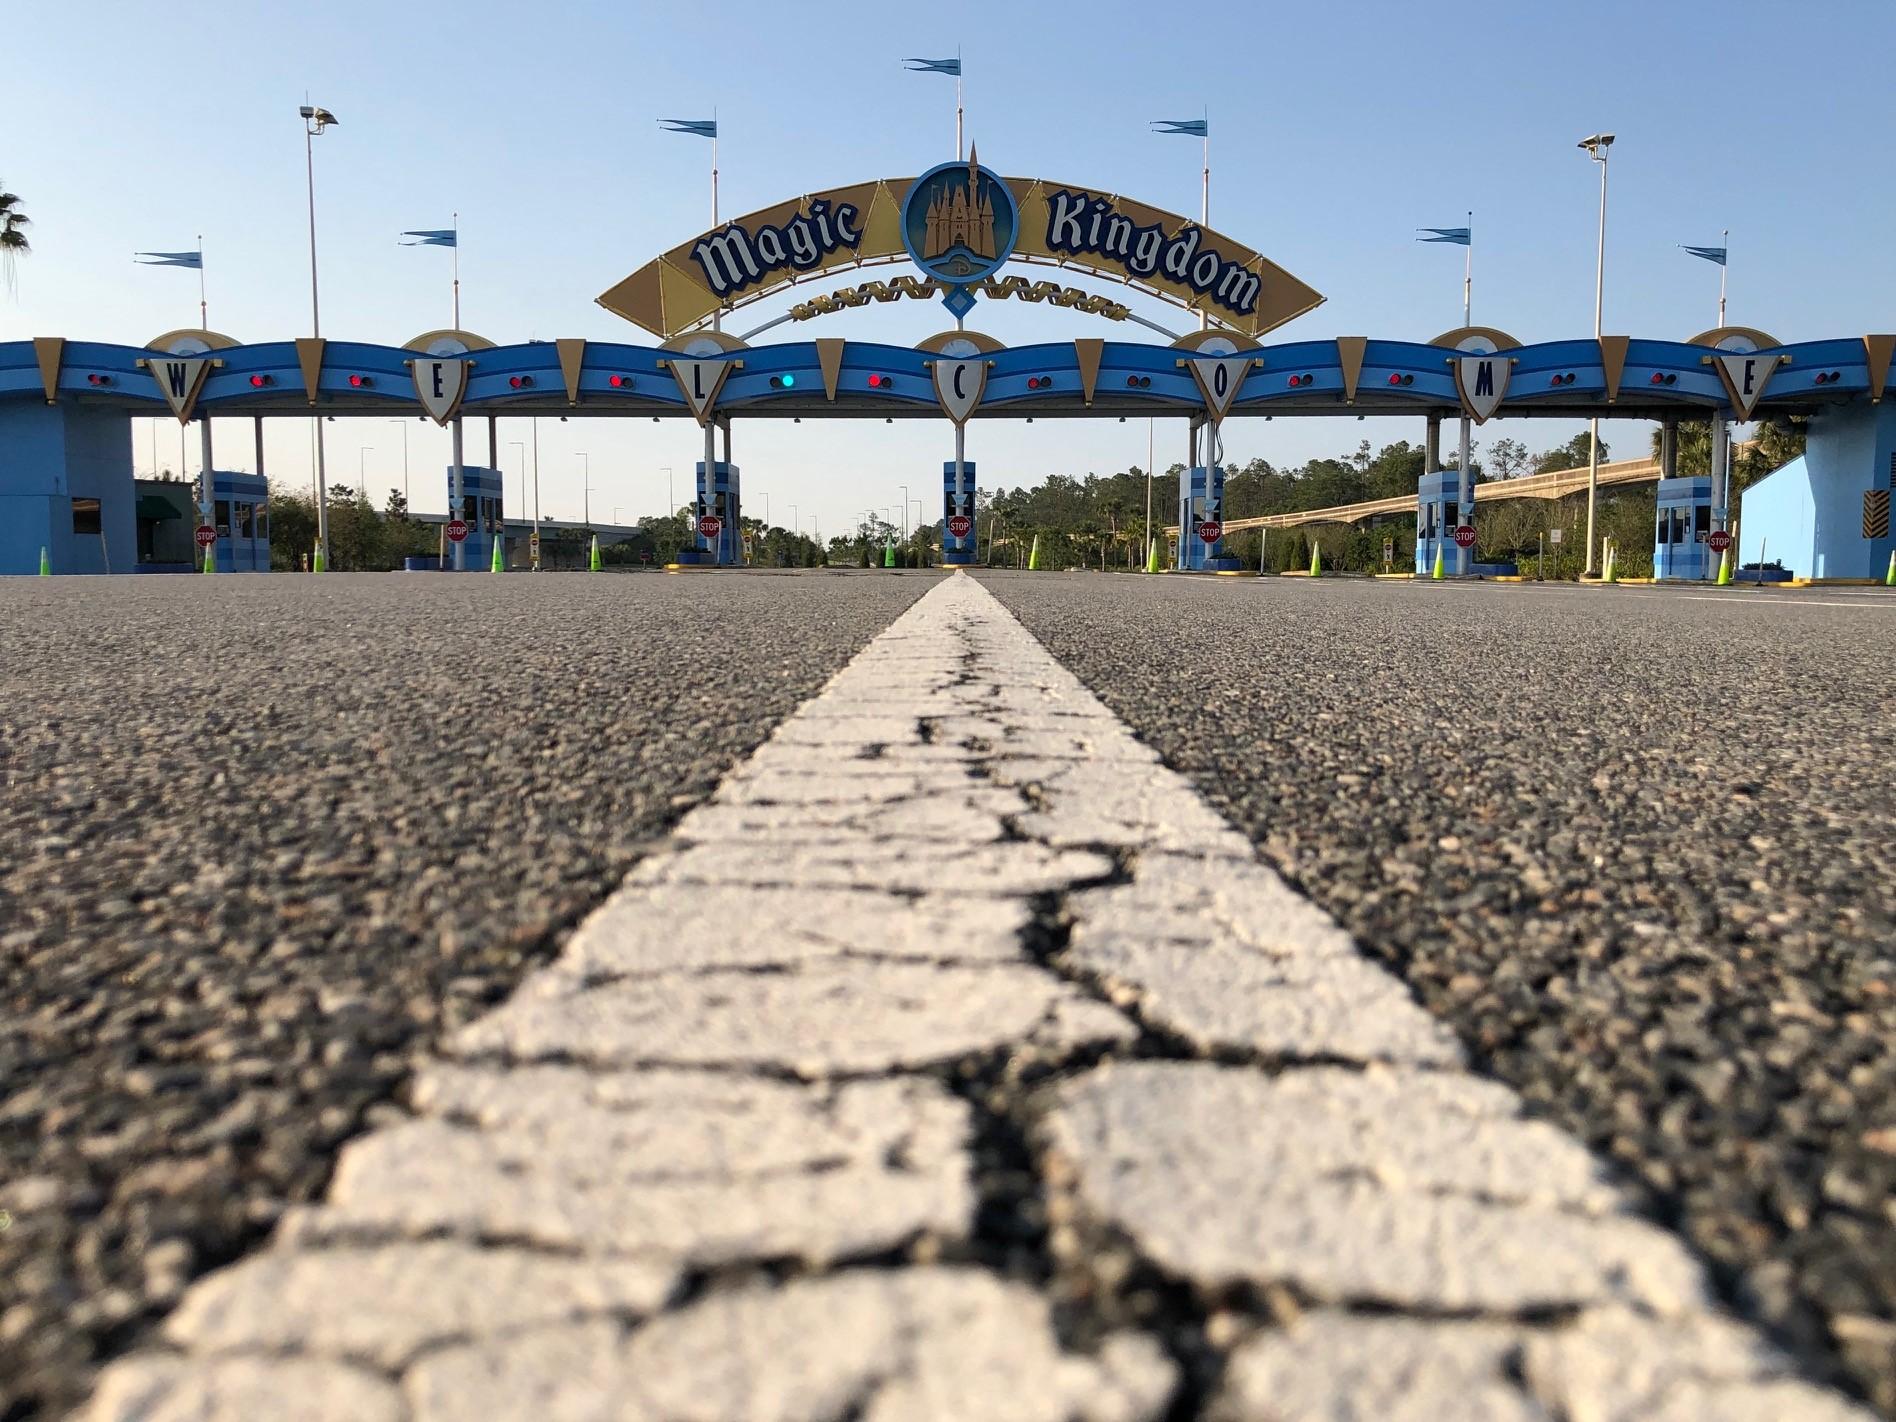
700 378
440 384
1218 380
959 385
1482 382
1745 374
179 380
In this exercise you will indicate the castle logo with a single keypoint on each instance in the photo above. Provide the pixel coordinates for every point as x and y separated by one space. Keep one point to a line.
959 223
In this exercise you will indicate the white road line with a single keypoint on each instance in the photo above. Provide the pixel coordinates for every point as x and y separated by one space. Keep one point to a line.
785 1038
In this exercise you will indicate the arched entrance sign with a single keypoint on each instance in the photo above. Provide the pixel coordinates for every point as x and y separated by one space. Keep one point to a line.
1059 224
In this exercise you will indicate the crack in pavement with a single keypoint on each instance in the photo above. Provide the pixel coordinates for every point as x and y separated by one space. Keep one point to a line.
956 1060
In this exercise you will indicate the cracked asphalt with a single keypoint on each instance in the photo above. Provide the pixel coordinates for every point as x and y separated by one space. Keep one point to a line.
264 842
1635 847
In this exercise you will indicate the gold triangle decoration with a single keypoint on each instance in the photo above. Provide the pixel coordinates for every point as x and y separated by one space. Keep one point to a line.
1349 354
1087 350
572 352
48 349
309 357
1613 363
1877 350
829 355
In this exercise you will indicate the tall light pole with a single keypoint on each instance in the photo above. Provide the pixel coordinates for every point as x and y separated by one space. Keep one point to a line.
406 498
315 120
536 488
586 472
905 508
361 477
670 507
1596 146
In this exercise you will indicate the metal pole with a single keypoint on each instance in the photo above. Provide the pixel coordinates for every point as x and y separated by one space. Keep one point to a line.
204 308
406 497
457 270
1723 267
1150 544
957 103
1465 498
1468 274
316 329
1721 469
717 316
259 424
905 504
671 504
707 486
1204 221
456 496
205 494
1593 425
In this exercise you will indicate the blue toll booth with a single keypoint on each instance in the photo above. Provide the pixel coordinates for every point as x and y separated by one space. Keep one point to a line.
1438 512
1681 528
240 505
720 495
1203 500
481 510
958 551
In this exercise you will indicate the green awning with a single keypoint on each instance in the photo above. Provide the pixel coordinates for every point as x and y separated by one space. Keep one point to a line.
155 507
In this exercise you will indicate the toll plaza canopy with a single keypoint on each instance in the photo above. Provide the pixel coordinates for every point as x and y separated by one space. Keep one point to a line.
1087 377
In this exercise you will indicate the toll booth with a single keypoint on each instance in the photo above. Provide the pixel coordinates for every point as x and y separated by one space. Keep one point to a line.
721 494
240 511
1438 513
1682 526
958 551
1203 500
481 511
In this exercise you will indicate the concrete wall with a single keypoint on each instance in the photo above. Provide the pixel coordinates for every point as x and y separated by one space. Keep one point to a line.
50 455
1777 520
1810 512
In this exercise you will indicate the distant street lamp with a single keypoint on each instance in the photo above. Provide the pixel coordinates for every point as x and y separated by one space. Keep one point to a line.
670 506
905 508
586 498
1596 146
361 477
315 120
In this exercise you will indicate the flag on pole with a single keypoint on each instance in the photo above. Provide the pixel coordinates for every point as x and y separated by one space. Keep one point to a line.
1710 254
698 128
170 259
1191 128
1460 236
934 66
433 237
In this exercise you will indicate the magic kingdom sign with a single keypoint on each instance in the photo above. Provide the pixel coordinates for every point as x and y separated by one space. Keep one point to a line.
959 223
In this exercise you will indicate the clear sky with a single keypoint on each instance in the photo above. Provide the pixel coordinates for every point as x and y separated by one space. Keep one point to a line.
1337 130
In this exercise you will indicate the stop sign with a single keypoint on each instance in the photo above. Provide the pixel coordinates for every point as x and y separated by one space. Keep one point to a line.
1719 541
1465 536
457 530
710 525
958 525
1211 530
205 535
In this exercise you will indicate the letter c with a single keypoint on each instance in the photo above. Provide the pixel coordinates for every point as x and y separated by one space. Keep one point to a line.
960 370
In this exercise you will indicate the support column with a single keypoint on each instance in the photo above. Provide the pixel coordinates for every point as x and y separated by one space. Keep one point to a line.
207 493
1721 474
1669 450
1464 500
455 493
258 421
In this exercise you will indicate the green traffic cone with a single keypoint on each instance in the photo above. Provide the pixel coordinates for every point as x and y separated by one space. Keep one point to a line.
319 560
1724 569
888 555
210 559
498 564
1152 555
1439 572
1316 560
46 563
1607 576
1033 555
592 562
1889 578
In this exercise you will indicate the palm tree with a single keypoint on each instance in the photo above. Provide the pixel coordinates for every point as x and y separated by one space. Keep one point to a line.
13 243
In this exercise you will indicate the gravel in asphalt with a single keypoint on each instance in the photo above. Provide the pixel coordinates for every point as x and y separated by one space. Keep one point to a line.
1637 848
264 842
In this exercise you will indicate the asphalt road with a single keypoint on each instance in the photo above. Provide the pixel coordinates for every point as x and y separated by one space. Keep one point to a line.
1636 846
265 841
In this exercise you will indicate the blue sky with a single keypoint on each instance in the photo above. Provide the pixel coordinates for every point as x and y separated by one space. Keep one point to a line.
1336 131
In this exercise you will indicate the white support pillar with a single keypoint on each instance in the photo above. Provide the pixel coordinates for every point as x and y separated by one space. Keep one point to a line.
456 491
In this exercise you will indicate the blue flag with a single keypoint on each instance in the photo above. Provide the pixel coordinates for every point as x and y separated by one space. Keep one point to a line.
934 66
1460 236
698 128
170 259
1191 128
1710 254
433 237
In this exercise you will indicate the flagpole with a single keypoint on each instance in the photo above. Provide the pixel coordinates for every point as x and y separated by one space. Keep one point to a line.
457 269
1204 221
204 307
1468 275
717 316
1723 267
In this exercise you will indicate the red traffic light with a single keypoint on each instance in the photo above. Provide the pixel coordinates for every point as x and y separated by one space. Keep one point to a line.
360 382
619 382
97 379
1039 382
880 382
257 382
520 382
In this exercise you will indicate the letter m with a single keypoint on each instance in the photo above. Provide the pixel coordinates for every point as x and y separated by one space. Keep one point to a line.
1484 378
726 260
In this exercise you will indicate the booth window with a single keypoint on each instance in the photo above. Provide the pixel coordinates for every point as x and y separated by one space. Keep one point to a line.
86 516
1702 524
222 517
470 509
244 525
263 522
1451 517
